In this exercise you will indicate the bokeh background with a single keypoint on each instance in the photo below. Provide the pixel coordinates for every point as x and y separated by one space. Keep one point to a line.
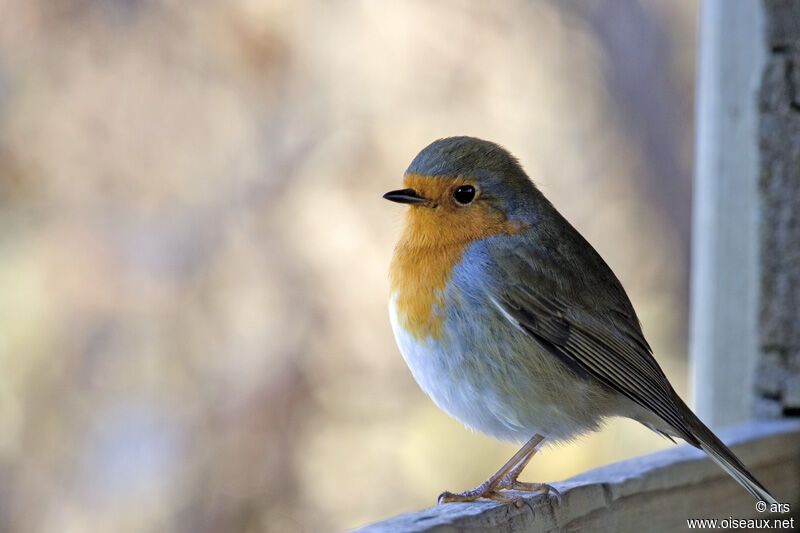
193 248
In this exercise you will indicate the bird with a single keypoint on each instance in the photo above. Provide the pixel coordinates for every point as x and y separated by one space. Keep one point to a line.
512 323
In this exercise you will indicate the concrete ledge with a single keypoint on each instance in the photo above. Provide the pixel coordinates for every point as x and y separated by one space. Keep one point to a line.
657 492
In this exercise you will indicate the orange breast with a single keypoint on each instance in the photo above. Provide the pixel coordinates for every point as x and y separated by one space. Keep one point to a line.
432 242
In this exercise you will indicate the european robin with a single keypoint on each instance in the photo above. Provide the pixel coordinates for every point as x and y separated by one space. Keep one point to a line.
513 324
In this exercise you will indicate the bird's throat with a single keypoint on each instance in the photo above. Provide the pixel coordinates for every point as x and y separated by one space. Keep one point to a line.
417 278
432 243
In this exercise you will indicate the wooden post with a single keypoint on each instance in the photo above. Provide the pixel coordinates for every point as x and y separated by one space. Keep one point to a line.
778 371
724 286
745 325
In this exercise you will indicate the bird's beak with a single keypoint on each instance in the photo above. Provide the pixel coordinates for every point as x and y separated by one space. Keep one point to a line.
406 196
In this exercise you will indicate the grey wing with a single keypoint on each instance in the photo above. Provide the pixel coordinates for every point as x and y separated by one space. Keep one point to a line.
588 334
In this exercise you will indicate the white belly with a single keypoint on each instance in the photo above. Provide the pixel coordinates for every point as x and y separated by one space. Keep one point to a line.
439 371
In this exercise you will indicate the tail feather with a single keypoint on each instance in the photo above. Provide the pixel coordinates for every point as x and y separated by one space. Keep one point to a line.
706 440
740 474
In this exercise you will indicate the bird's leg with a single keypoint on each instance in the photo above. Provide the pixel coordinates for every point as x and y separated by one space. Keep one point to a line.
505 478
510 479
514 473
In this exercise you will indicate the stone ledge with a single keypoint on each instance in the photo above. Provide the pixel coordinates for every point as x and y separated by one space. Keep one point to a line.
660 490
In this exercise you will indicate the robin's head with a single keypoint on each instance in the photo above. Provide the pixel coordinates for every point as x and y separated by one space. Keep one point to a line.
461 189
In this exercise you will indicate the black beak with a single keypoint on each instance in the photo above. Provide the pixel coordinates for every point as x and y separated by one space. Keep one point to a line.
405 196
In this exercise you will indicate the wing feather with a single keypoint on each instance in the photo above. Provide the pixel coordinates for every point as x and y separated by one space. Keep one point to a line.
594 336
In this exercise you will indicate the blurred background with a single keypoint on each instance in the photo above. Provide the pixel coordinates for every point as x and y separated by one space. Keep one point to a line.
193 247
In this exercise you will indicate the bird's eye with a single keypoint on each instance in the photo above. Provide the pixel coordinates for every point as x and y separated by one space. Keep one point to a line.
464 194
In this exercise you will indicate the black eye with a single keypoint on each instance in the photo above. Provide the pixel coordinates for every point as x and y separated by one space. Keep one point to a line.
464 194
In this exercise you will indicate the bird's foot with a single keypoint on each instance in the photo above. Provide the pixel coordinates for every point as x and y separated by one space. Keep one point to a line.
491 491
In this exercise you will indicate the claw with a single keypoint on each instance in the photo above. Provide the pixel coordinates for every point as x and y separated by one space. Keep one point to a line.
556 495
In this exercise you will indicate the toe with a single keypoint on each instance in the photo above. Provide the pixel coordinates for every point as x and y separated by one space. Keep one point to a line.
446 497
